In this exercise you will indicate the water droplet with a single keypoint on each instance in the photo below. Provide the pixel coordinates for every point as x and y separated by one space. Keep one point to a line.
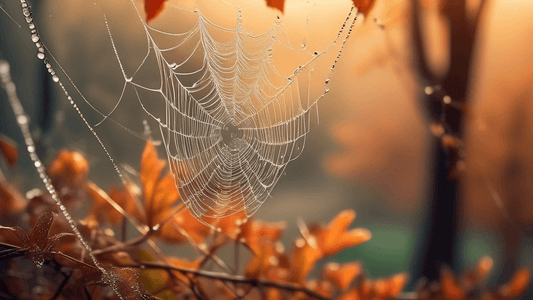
22 119
428 90
55 78
40 55
326 91
327 81
315 53
37 164
447 99
35 38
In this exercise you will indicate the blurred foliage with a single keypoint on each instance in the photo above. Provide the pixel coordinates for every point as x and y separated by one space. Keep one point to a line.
49 263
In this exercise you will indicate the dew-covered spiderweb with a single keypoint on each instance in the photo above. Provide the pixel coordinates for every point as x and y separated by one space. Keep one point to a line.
231 115
230 121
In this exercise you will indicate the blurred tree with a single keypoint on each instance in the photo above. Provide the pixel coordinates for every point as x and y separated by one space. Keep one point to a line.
444 101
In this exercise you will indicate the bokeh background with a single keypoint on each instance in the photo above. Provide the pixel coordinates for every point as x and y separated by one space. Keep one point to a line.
369 150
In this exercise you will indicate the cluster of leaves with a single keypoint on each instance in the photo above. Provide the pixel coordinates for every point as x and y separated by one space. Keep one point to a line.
50 263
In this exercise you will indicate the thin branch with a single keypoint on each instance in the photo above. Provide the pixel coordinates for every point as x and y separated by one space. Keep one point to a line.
121 246
230 278
61 286
73 259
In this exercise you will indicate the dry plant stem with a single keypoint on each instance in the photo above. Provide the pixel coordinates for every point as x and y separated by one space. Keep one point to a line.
229 278
73 259
123 246
141 239
23 251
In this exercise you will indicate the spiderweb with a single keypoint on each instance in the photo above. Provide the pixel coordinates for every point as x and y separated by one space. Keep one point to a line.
229 120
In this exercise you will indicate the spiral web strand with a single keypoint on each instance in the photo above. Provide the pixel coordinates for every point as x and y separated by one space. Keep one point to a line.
231 121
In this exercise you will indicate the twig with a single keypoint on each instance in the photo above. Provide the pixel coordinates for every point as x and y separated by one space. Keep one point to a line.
121 246
73 259
61 286
230 278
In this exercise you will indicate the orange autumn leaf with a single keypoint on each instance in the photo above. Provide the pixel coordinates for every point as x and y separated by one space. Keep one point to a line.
229 225
450 285
517 285
160 193
153 8
364 6
11 200
277 4
151 167
253 232
303 259
183 263
396 283
8 149
342 275
261 261
102 210
335 237
324 288
68 169
389 288
182 227
472 278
